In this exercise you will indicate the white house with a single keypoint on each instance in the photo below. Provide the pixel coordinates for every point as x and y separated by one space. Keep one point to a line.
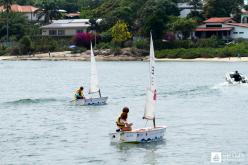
224 27
65 27
27 11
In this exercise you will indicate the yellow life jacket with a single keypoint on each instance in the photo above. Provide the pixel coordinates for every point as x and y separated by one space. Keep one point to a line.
80 93
119 123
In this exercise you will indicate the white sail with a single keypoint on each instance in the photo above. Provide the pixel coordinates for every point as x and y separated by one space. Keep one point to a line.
151 91
94 87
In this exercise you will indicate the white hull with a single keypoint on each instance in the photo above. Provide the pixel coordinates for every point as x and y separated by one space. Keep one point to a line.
139 135
230 80
92 101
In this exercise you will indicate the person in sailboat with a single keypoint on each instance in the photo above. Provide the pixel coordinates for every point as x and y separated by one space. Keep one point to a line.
80 93
121 121
237 76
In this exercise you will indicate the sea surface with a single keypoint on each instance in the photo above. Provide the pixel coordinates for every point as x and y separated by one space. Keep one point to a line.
40 125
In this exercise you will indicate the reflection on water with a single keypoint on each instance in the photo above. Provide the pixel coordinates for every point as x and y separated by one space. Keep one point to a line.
149 150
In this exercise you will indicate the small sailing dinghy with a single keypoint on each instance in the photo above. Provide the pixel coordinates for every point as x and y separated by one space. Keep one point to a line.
94 86
236 78
147 134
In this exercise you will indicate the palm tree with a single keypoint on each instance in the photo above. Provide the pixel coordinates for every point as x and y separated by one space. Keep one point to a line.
94 27
48 11
7 6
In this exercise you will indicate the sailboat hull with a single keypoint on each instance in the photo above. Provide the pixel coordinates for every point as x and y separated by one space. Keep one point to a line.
142 135
92 101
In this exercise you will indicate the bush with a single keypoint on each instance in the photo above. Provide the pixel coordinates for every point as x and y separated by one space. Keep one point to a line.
3 50
46 44
78 50
141 44
115 49
83 39
240 49
25 45
104 45
106 36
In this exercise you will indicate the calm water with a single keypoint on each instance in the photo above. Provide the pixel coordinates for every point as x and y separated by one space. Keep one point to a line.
39 125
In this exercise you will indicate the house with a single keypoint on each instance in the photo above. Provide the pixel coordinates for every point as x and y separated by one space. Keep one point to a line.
65 27
224 27
27 11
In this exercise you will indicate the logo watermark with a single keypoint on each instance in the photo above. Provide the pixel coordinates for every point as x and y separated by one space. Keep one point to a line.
221 157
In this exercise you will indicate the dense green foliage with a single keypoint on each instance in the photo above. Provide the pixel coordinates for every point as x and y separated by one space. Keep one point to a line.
18 26
140 17
235 50
223 8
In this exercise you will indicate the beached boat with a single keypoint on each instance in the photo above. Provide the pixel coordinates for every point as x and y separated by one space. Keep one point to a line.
94 86
147 134
231 80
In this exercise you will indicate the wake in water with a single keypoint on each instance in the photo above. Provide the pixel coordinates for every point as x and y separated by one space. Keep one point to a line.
226 84
200 90
30 101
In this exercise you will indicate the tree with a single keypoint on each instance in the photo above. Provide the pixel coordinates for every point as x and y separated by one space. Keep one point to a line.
48 11
7 6
94 27
120 32
25 45
18 26
183 27
223 8
154 17
197 4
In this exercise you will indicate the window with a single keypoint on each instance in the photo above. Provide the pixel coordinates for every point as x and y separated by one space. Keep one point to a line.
214 25
52 32
61 32
241 32
235 32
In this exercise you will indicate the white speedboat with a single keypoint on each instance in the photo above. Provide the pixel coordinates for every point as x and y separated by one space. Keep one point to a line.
147 134
231 80
94 86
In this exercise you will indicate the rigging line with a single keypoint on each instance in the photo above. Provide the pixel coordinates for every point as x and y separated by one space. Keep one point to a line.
146 123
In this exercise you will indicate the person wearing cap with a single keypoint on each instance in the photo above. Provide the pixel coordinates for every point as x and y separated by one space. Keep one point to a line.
237 76
80 93
121 121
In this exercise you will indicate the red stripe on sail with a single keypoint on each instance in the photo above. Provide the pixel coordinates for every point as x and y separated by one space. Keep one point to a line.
155 95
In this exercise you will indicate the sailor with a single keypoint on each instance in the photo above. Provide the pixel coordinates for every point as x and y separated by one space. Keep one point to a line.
121 121
237 76
80 93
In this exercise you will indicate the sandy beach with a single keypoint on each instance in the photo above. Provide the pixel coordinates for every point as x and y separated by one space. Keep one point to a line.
66 55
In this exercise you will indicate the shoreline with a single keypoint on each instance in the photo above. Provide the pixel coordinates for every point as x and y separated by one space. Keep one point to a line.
67 56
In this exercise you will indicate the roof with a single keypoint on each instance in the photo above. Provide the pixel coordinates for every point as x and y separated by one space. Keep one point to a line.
21 9
218 20
68 23
238 24
213 29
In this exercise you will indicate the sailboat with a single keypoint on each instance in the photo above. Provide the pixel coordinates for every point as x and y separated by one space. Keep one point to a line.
146 134
94 85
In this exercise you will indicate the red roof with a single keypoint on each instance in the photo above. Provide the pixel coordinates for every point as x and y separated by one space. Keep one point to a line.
21 9
218 20
238 24
213 29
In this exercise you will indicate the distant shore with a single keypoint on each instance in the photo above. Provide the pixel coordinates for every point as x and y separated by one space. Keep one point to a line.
67 56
